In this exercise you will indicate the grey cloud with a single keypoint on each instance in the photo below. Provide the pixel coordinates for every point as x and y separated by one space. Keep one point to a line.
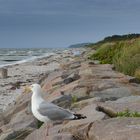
74 20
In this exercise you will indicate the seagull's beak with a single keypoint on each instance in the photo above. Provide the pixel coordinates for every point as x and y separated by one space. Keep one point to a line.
27 89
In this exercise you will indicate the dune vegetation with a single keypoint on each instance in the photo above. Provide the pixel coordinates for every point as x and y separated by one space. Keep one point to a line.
123 52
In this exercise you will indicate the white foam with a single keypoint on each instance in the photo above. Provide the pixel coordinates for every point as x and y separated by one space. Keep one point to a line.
27 59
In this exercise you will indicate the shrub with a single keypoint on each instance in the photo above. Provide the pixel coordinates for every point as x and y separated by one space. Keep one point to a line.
125 55
137 73
101 54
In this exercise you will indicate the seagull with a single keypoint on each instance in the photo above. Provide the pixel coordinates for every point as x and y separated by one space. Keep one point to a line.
48 112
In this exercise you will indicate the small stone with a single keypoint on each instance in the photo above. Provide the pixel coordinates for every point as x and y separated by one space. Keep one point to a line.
3 73
68 80
134 80
16 85
74 76
63 101
91 63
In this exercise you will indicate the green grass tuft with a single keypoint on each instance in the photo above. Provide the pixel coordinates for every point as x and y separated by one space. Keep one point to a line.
74 99
127 113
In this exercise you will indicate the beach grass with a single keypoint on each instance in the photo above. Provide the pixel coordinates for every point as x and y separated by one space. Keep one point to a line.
128 113
125 55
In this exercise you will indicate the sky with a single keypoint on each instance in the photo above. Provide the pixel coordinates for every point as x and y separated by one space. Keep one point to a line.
60 23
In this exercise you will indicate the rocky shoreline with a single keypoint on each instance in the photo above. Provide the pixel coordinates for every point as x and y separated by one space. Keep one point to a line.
20 75
79 84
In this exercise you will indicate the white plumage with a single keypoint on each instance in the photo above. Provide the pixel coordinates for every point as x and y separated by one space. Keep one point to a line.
45 111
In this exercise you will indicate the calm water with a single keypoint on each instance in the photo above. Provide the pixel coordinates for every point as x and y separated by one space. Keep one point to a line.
13 56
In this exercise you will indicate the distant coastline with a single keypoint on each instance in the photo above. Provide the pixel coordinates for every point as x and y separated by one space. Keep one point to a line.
79 45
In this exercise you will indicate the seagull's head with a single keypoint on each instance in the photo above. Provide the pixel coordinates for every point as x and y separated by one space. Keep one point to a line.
35 88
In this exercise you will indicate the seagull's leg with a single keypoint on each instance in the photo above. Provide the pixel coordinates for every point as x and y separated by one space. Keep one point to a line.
47 130
49 125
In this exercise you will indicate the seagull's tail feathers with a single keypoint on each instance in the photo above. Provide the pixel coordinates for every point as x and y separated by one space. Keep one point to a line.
79 116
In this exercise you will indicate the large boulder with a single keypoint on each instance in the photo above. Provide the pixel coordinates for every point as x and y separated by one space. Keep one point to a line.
17 120
131 103
39 135
63 101
58 93
112 93
21 123
21 103
80 93
87 71
15 134
115 129
92 115
53 134
71 78
81 104
69 130
75 65
22 120
51 80
62 137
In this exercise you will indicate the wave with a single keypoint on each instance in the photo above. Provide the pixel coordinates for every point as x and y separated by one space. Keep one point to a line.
30 59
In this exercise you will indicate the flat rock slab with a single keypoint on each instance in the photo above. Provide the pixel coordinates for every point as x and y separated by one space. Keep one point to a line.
54 137
51 79
92 115
83 103
62 137
63 101
112 93
115 129
20 124
85 72
105 71
80 93
132 103
15 135
75 65
40 134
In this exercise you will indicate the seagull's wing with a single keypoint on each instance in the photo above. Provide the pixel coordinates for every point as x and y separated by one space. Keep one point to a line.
54 112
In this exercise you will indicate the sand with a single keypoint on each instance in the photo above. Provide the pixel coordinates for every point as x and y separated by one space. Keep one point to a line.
20 75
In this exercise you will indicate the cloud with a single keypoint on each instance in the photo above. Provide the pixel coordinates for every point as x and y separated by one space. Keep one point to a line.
69 7
73 19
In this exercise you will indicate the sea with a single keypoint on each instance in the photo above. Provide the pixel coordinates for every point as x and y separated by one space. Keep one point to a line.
11 56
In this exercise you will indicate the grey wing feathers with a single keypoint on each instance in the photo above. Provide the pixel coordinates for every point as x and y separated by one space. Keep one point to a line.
54 112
